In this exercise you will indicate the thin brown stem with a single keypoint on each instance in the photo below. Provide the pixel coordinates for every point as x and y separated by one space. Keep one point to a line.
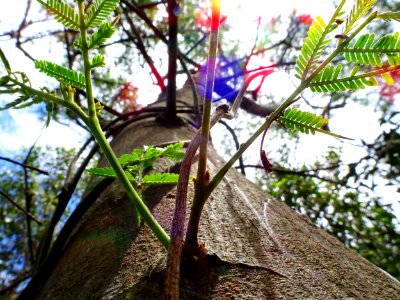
27 213
172 277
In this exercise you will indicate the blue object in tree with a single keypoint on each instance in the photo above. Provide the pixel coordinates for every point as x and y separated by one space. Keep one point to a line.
229 75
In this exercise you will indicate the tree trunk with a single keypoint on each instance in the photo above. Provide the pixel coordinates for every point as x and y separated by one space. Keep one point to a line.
257 247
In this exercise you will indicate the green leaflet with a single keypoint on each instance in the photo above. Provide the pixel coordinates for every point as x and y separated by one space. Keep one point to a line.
392 15
150 153
106 172
62 12
98 61
173 151
365 51
328 81
5 61
98 38
60 73
315 43
160 178
126 159
99 12
22 102
305 122
138 163
360 9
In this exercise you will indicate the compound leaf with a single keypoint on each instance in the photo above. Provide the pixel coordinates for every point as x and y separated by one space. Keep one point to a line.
160 178
305 122
360 9
62 12
99 12
365 51
390 15
106 172
98 38
98 61
315 43
60 73
173 151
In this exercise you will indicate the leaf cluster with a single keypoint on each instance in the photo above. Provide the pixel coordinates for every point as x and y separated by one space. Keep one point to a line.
364 52
315 43
60 73
96 16
8 86
305 122
360 9
140 162
367 52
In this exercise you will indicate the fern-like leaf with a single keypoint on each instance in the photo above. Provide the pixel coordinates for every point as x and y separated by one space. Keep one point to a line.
365 51
5 62
388 16
305 122
328 81
99 12
62 12
22 101
360 9
98 61
160 178
60 73
127 159
106 172
315 43
98 38
173 151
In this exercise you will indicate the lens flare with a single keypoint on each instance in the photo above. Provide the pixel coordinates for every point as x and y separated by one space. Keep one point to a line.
216 13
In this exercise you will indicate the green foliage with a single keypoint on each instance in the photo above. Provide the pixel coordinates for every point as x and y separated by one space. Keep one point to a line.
366 52
360 9
161 178
305 122
104 32
23 101
99 12
4 60
60 73
41 191
62 12
7 86
151 153
106 172
98 61
138 163
391 15
328 81
314 45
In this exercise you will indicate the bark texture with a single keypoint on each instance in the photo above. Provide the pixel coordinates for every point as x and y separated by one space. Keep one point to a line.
257 247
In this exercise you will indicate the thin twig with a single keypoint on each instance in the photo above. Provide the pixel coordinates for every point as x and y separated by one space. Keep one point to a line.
28 202
141 47
27 213
172 277
170 112
25 165
237 145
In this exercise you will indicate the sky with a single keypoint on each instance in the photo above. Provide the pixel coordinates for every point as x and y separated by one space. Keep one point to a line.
242 16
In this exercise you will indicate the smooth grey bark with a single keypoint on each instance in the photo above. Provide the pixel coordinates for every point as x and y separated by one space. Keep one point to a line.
257 247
